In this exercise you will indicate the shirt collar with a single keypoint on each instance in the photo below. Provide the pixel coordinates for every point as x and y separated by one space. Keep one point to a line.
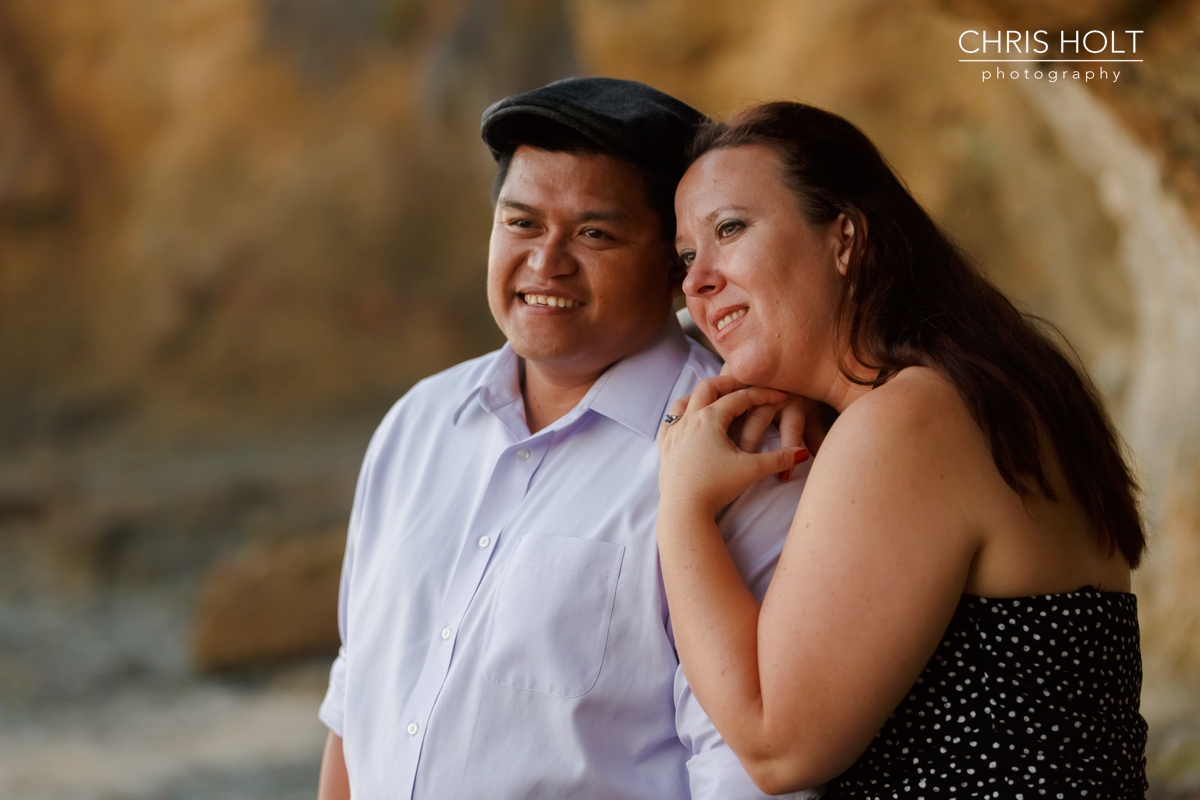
639 386
499 384
634 391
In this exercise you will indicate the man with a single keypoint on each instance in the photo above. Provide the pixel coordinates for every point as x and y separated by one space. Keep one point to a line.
504 627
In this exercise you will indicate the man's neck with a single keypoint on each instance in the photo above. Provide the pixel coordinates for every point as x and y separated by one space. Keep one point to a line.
549 394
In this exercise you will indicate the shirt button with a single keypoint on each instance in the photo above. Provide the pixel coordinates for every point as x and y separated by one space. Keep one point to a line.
445 633
484 541
523 454
413 728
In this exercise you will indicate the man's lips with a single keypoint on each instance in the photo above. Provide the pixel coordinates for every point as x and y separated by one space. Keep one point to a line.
538 299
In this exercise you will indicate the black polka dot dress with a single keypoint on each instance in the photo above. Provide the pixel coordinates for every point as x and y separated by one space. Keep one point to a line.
1024 699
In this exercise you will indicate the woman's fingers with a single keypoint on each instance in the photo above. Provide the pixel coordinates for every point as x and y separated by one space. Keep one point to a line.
792 423
740 401
677 408
755 425
775 461
791 428
709 391
791 418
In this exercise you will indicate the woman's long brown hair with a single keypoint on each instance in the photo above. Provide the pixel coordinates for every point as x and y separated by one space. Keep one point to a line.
912 297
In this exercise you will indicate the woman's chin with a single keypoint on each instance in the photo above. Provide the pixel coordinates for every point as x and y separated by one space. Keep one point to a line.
747 372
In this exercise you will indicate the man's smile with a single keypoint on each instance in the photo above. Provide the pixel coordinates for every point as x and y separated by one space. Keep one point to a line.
549 300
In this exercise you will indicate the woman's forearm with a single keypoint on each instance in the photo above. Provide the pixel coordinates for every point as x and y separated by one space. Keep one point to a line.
715 620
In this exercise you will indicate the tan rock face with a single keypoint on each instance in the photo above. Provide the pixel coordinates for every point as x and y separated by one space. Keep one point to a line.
194 217
270 603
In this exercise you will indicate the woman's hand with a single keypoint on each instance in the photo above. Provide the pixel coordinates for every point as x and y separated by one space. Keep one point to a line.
802 422
700 465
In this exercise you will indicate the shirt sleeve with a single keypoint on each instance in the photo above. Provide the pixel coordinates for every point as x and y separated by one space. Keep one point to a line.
333 708
754 528
332 711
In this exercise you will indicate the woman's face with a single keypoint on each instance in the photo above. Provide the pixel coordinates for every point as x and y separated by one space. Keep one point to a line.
762 283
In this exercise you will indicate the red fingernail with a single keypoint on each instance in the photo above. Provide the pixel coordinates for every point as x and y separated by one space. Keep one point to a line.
801 456
784 476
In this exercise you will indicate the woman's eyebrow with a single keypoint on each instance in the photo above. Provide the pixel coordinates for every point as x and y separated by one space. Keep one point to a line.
723 209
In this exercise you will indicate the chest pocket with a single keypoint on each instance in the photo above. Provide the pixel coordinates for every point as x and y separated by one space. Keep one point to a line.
551 617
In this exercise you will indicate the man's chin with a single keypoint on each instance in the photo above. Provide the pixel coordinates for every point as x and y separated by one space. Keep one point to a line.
549 353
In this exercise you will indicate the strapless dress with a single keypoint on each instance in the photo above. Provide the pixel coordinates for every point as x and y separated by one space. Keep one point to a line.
1031 697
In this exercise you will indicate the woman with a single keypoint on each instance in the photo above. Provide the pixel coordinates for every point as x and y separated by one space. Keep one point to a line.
951 614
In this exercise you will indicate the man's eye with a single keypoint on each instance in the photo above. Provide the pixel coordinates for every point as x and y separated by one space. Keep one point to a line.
520 223
594 233
729 227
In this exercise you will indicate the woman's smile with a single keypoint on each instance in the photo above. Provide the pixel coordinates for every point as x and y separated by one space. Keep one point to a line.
729 319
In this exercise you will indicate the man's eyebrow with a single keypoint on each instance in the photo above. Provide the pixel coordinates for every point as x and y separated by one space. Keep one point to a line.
610 215
504 202
600 215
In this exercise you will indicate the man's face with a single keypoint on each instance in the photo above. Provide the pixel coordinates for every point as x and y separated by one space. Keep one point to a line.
579 275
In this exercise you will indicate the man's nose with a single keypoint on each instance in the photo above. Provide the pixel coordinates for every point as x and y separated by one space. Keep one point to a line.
702 279
551 257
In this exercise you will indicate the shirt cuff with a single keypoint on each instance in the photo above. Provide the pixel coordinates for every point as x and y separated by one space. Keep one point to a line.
333 707
716 774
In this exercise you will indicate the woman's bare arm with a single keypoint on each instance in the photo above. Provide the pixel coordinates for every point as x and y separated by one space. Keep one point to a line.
872 570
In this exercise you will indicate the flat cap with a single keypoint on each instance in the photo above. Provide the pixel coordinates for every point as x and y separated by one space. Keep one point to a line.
630 120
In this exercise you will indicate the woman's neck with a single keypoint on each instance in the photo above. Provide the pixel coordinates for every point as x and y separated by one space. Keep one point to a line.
840 391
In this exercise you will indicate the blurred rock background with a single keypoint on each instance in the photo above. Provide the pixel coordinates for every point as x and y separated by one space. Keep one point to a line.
232 232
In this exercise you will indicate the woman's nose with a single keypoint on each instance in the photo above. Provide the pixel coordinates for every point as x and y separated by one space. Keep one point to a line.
701 279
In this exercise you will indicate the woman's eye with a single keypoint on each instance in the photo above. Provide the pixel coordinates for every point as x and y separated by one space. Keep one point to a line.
729 227
687 257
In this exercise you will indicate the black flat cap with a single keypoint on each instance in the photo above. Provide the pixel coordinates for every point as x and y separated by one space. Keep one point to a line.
632 121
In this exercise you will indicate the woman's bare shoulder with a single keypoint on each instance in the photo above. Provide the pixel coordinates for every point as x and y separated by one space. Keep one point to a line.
918 406
910 440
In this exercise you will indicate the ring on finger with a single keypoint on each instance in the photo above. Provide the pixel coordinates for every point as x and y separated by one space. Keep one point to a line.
671 419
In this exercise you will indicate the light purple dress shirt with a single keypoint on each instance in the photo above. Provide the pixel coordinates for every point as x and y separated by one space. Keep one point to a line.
504 628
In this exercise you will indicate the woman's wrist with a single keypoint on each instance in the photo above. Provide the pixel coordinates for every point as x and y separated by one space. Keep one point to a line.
677 511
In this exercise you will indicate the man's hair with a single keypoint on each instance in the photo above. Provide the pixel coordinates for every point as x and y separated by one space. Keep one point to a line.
554 137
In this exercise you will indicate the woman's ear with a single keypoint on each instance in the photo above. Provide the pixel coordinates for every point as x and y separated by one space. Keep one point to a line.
844 228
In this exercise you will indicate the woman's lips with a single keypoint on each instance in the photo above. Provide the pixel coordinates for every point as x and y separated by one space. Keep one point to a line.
723 320
733 316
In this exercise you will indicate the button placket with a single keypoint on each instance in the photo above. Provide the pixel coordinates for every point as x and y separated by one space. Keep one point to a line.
505 493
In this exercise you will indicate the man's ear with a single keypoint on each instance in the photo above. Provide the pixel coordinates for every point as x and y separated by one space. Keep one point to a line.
676 272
